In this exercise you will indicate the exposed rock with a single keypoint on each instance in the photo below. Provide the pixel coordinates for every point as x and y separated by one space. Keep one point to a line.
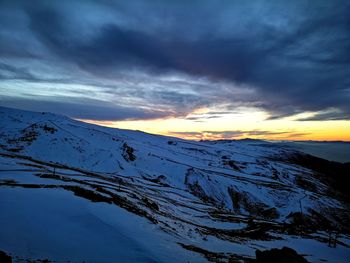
150 204
4 258
231 164
128 153
275 255
243 200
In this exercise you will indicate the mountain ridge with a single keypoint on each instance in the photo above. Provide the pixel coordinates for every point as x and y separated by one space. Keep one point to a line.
223 197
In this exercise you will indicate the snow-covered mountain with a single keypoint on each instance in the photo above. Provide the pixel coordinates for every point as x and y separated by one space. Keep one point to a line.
72 191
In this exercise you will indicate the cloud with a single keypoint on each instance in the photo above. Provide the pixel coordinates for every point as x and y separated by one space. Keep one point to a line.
12 72
84 109
236 134
292 57
328 115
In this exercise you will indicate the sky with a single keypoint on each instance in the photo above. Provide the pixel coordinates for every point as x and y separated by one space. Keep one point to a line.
205 69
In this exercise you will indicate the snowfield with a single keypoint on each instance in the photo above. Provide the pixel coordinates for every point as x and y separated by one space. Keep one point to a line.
72 191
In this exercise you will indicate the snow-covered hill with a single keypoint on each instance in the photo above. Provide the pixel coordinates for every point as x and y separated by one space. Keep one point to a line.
80 192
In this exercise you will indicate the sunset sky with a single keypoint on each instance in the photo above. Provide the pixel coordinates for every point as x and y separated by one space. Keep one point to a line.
193 69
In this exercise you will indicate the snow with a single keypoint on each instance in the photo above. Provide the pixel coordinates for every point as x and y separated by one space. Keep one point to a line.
49 223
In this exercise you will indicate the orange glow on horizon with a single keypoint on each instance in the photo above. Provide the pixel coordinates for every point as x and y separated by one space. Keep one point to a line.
250 124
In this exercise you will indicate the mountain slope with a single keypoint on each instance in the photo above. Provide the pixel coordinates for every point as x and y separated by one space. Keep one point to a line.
195 201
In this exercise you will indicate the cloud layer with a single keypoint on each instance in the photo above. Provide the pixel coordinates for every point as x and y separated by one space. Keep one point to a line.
151 59
235 134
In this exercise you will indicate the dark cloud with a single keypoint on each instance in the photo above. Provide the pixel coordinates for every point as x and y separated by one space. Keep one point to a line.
294 55
110 47
83 110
